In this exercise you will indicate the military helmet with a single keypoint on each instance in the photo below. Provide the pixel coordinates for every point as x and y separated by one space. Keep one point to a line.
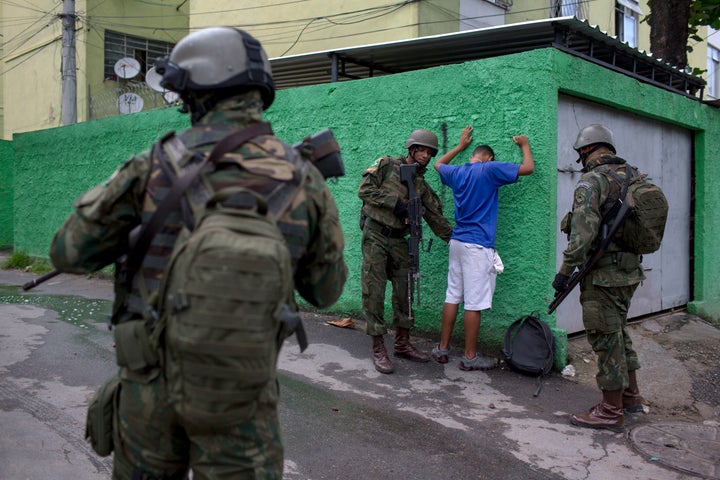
422 137
217 58
592 134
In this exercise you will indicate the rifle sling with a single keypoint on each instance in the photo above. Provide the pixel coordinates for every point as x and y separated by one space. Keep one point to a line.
227 144
622 212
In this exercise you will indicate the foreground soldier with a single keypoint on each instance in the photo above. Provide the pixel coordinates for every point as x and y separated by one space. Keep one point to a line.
385 246
605 293
224 79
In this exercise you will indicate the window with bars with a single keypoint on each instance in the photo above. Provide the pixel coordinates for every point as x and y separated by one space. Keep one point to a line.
145 51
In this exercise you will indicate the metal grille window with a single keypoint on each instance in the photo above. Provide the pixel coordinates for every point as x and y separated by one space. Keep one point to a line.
145 51
567 8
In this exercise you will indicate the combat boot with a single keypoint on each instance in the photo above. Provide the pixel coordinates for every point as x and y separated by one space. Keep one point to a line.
607 414
381 361
631 399
405 349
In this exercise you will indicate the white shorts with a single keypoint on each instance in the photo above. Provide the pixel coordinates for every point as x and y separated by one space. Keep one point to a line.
472 271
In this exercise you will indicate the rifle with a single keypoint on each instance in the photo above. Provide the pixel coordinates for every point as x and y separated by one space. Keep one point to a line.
415 212
320 148
608 233
44 278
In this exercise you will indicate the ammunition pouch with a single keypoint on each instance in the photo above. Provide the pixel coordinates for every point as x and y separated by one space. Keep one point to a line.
101 420
135 347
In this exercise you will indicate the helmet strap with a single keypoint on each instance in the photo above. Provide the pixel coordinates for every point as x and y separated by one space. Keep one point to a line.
584 156
198 108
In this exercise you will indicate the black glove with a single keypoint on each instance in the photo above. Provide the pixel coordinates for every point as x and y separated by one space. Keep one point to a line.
401 209
561 282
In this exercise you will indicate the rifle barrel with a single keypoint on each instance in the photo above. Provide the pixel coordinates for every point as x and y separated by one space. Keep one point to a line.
41 279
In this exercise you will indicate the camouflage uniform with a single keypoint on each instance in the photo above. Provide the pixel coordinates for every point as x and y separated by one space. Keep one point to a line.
150 441
605 293
384 246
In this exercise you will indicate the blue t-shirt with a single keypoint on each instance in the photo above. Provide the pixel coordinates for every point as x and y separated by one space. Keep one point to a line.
475 190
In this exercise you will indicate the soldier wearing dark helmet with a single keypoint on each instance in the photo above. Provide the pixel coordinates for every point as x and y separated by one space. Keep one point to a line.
606 291
385 247
223 77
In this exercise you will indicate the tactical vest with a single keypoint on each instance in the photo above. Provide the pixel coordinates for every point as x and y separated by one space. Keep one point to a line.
139 300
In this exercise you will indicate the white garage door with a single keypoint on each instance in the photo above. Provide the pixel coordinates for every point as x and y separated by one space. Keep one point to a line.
664 152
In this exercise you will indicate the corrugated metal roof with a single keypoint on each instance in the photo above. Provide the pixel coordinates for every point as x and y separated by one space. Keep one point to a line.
569 34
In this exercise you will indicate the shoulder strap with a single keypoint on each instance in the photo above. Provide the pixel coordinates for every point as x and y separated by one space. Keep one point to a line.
613 211
227 144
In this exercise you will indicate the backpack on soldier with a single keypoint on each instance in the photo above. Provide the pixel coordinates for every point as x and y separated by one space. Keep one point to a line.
644 225
226 293
223 303
528 348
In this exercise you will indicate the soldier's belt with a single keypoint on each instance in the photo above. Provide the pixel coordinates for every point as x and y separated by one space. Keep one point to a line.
615 258
384 229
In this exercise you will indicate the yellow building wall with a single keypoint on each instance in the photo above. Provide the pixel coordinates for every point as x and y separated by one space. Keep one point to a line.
2 54
602 14
32 80
293 28
32 48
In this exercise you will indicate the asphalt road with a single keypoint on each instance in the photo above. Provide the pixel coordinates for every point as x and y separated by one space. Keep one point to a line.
340 418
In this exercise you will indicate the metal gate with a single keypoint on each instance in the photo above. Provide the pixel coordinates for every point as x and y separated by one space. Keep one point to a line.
664 152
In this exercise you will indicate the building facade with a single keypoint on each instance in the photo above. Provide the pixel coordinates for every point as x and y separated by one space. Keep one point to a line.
107 34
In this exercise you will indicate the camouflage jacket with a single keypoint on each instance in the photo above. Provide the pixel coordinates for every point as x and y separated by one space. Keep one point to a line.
594 194
381 187
96 234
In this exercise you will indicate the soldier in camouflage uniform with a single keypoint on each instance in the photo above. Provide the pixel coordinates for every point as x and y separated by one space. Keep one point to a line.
605 293
385 246
224 79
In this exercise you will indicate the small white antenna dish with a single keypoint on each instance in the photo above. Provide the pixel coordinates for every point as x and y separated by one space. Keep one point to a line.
153 78
130 103
171 97
127 67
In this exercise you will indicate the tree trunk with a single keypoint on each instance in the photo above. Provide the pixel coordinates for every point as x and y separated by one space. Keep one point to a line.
669 31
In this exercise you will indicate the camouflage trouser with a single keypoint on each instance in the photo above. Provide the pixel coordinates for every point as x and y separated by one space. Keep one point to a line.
151 443
384 258
604 311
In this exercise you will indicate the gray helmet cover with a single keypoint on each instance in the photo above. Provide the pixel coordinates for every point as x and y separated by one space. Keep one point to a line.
592 134
422 137
217 58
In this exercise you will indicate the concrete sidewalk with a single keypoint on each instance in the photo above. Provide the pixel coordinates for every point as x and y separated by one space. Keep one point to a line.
342 419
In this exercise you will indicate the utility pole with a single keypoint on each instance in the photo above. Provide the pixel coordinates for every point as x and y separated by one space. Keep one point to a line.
69 76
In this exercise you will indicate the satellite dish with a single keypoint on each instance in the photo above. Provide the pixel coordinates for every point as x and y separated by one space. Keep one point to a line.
171 97
130 103
152 77
127 67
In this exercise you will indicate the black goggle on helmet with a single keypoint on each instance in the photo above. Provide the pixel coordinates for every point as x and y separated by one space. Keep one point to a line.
217 58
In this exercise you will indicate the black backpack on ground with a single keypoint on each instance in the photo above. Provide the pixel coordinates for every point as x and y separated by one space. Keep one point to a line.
528 347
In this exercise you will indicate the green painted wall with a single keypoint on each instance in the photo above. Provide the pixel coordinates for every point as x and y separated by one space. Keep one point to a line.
500 97
6 193
54 166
